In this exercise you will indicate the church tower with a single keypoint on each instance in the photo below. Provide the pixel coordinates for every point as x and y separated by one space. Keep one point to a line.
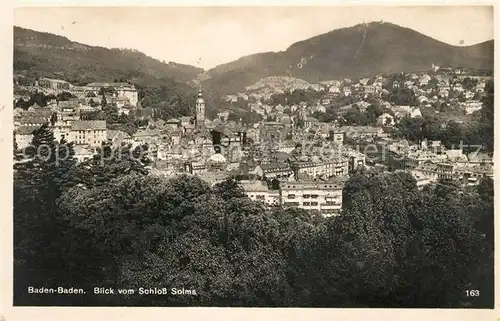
200 111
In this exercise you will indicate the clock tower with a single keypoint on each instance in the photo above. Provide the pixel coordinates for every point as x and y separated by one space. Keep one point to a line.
200 111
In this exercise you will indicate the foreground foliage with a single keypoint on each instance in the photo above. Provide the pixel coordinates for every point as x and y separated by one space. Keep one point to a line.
113 225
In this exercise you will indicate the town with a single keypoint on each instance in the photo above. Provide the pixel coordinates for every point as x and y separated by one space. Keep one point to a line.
295 160
300 153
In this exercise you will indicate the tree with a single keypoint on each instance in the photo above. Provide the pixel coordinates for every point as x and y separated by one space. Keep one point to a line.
104 102
114 162
425 242
372 114
39 180
469 83
432 84
180 235
446 227
229 189
15 147
65 96
411 128
403 97
355 117
92 103
111 114
392 246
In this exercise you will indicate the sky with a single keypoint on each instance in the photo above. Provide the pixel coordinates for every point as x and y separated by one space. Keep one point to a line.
209 36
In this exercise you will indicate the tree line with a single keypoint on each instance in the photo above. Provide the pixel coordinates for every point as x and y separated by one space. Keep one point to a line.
477 132
106 222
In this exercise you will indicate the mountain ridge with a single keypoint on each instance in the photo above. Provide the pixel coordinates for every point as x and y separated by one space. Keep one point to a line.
357 51
43 54
351 52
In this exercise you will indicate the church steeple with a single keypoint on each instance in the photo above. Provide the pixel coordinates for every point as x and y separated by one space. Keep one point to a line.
200 110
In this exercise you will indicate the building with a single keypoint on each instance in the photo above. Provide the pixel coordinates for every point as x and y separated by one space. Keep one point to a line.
55 84
334 89
385 120
428 173
259 191
310 121
173 123
273 170
415 112
223 115
81 91
370 90
24 136
82 154
121 89
146 135
355 159
118 137
356 132
325 196
195 168
88 132
272 132
30 119
200 111
472 106
338 166
424 80
479 159
413 159
130 93
214 177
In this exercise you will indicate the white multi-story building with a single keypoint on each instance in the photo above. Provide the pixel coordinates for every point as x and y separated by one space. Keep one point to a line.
259 191
338 166
472 106
325 196
121 89
24 136
88 132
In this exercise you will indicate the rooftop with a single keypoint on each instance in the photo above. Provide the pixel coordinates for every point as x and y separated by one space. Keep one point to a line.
333 185
55 80
26 130
146 133
109 84
254 186
88 125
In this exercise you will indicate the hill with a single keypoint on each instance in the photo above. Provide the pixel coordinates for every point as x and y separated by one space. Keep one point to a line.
44 54
166 87
359 51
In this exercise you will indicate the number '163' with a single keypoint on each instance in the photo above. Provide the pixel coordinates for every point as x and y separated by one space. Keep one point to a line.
472 292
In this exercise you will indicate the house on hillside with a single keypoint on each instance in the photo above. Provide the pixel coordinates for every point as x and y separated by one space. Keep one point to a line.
385 120
55 84
472 106
118 137
415 112
88 132
424 80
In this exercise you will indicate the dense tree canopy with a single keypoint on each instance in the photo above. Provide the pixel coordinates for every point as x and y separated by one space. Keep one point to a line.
106 222
477 132
295 97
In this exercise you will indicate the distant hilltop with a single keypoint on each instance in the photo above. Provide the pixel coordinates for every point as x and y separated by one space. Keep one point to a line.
359 51
41 54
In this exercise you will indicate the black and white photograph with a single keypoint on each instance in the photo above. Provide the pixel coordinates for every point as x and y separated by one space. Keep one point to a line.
253 156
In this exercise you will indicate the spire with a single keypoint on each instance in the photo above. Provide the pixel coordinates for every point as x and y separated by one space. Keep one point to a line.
200 90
